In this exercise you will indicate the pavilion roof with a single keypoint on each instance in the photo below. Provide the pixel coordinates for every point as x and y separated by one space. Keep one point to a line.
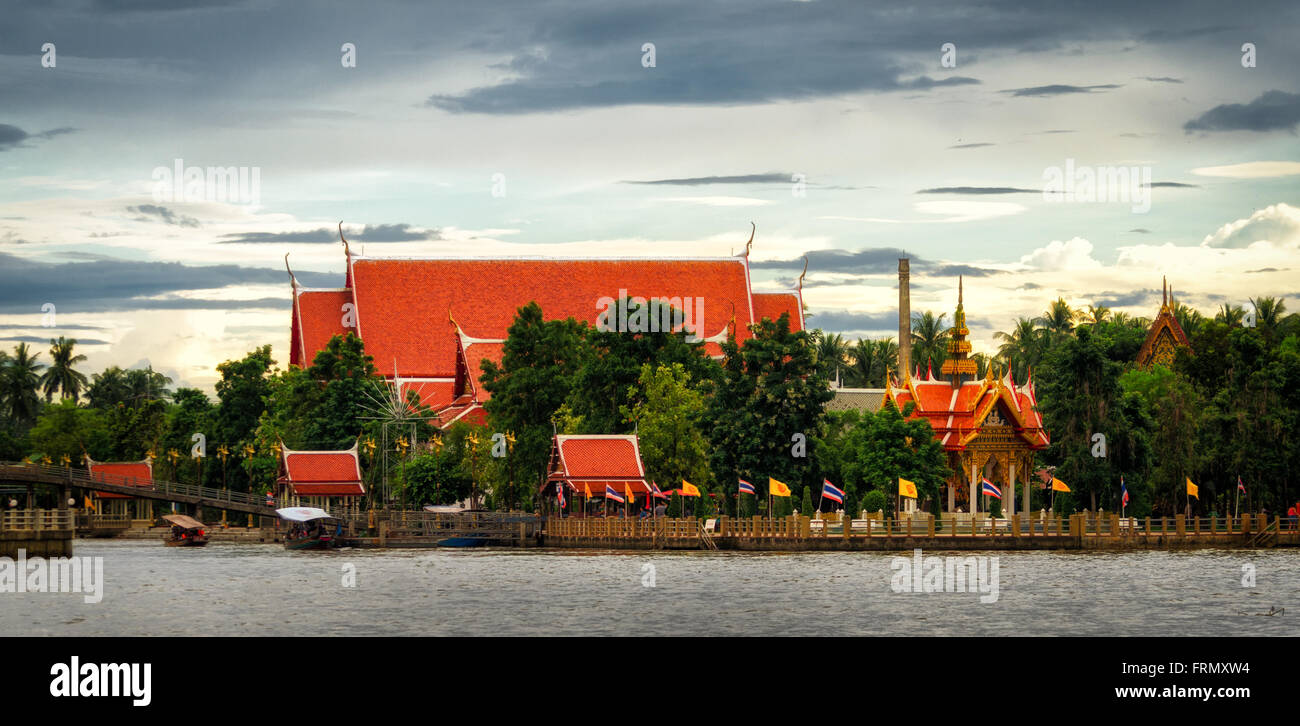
594 460
322 473
123 473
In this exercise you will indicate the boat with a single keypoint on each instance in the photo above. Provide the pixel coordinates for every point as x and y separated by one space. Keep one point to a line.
308 529
463 542
186 532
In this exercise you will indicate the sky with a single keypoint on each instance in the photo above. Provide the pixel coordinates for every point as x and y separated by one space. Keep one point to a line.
1082 151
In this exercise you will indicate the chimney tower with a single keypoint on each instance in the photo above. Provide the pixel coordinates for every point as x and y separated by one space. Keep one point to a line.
904 321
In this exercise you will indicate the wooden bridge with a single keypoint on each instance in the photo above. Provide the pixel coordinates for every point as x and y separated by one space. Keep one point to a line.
68 478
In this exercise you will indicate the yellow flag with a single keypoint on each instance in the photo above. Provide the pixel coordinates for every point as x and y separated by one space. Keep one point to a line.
627 490
776 488
906 488
689 489
587 487
1191 489
1059 486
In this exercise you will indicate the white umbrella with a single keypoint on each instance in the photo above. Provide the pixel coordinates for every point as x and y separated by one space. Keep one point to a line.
302 514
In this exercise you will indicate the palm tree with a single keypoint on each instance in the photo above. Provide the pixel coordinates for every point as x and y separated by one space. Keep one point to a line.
863 368
1022 347
61 376
832 355
1096 314
1230 314
1268 314
887 354
1189 318
929 339
19 380
1059 317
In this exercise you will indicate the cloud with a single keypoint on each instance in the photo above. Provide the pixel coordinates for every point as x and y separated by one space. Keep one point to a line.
1075 253
1161 79
165 214
718 201
971 146
1279 224
1058 89
868 261
1272 111
325 235
133 285
1174 185
12 137
844 321
42 341
977 190
766 178
1251 169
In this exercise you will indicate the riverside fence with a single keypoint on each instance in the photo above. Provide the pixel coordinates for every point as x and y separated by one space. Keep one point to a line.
1041 531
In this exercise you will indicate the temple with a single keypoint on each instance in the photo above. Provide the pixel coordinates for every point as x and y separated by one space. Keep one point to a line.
326 479
428 322
589 463
1164 337
130 473
990 428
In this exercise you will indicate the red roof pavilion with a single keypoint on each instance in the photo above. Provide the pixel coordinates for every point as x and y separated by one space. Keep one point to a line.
321 473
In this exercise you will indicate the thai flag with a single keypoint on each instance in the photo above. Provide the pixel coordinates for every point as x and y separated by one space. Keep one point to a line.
656 492
559 493
832 492
1241 487
1124 490
746 488
612 493
991 489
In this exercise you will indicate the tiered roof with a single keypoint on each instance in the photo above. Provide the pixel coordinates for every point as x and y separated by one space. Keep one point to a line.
957 408
595 460
1164 336
428 322
322 473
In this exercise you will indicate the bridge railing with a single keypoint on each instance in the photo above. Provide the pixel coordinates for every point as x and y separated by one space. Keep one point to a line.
84 479
36 520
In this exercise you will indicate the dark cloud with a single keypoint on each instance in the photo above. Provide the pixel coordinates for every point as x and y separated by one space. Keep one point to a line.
12 137
324 235
771 177
1161 79
977 190
970 146
870 261
1140 230
1174 185
1059 89
164 214
1124 299
1268 269
58 328
1273 111
74 287
843 321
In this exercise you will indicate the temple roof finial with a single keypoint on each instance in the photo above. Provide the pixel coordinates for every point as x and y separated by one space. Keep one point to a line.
293 281
752 229
347 252
959 290
1164 290
805 272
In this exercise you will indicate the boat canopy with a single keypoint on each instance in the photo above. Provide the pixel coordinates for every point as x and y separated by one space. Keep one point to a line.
302 514
180 520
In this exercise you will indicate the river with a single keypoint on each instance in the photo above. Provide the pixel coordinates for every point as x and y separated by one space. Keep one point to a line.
252 589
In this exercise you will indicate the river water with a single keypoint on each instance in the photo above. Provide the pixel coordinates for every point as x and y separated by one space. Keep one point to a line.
253 589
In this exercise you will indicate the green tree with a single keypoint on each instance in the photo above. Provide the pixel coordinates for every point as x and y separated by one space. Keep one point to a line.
885 446
929 340
766 407
668 419
242 392
538 365
19 381
64 428
62 377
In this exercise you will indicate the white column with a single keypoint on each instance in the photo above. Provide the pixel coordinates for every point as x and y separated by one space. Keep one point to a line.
974 501
1009 498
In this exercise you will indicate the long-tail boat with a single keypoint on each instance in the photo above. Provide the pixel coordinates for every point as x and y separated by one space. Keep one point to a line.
307 529
186 532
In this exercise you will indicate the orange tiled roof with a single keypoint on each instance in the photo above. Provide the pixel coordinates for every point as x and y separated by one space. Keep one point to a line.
322 473
597 460
772 304
956 414
128 473
318 316
401 303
